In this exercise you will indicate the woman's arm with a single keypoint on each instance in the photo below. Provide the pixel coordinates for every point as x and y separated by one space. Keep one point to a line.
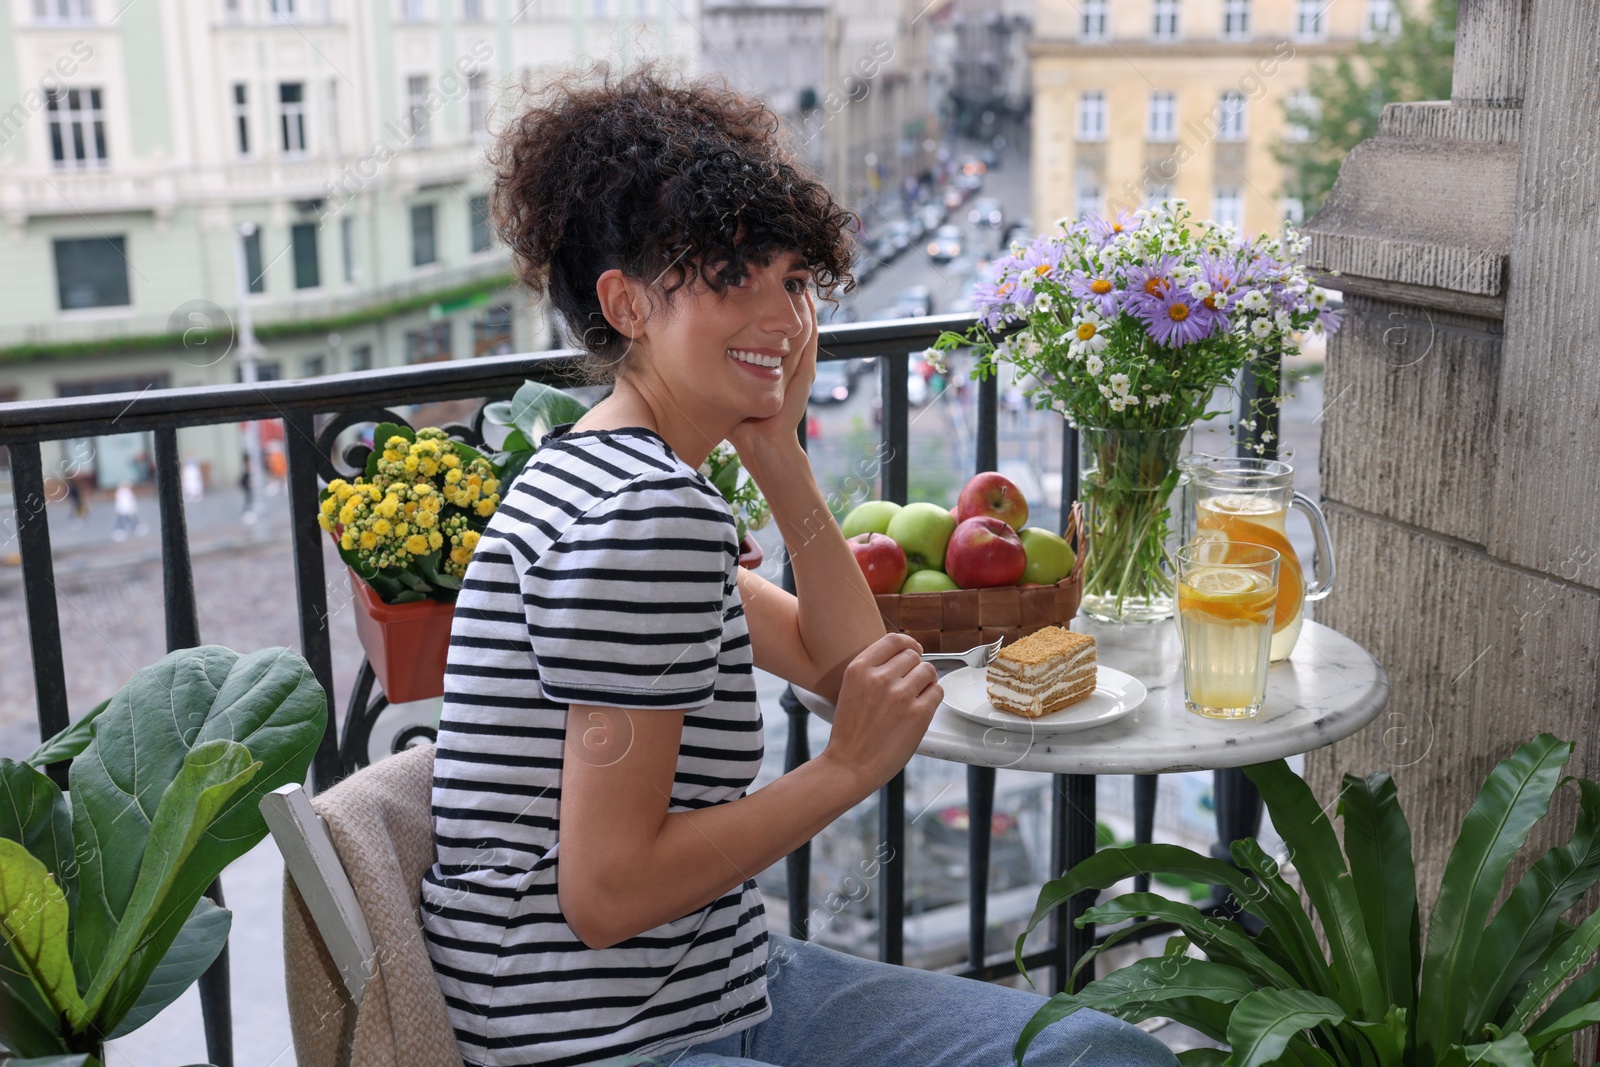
628 866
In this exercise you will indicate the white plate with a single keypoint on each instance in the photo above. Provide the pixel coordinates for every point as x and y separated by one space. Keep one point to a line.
1115 694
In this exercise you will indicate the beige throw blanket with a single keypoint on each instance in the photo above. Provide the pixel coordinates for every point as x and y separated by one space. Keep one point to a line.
383 828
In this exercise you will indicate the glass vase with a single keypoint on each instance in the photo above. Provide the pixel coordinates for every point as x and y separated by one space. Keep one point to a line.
1128 480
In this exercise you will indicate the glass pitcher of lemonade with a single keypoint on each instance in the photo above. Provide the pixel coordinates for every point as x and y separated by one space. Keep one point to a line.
1248 500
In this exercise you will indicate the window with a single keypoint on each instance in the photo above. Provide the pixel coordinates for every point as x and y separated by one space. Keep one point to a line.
417 109
255 273
1092 116
347 248
1301 111
1230 117
91 272
1381 20
1088 194
313 366
641 9
241 118
230 8
361 357
63 11
307 271
478 215
1155 192
330 107
491 335
471 10
77 127
412 11
1308 24
283 10
1162 120
1094 20
267 370
1164 26
1294 209
292 118
477 106
1226 209
428 344
597 8
1235 20
423 249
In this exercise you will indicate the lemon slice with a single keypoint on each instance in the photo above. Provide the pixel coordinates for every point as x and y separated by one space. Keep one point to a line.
1209 546
1219 582
1228 593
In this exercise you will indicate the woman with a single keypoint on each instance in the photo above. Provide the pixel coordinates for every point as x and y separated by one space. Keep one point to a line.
594 893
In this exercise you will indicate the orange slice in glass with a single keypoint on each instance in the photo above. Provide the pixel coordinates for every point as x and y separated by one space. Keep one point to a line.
1291 582
1227 593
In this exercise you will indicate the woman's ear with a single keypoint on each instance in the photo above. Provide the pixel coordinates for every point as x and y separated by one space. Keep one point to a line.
619 303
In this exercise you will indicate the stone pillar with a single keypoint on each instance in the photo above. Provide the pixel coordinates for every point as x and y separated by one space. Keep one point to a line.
1461 437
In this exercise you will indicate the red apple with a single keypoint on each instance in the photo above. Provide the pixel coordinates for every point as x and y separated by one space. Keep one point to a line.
984 552
881 560
990 493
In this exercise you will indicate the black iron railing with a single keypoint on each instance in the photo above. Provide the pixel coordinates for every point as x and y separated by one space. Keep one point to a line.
316 411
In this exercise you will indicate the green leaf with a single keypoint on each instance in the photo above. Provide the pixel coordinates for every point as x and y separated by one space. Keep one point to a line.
1110 866
515 442
1515 796
28 1026
1575 952
1221 940
34 812
509 464
213 773
1576 1019
1584 988
1377 841
1306 829
380 436
71 1059
1388 1038
1202 1057
537 408
69 742
33 913
1512 1050
269 701
1523 927
1277 902
195 948
1156 986
1263 1022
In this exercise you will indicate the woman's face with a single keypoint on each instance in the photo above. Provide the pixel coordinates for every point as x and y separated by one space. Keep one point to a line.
728 357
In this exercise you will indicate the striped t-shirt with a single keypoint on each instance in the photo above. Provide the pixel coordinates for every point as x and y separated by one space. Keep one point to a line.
607 577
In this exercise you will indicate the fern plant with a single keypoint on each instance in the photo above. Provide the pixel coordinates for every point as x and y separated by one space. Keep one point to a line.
1483 987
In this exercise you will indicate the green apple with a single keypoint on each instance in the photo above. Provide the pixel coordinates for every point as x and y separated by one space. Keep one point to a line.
871 517
926 581
922 530
1050 558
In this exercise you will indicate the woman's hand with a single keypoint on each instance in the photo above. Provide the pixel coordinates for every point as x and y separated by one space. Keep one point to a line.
885 704
752 435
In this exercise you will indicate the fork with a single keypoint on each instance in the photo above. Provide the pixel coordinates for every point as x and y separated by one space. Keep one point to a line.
972 657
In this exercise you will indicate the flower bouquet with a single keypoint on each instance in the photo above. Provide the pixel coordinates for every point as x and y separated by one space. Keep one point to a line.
1127 327
750 509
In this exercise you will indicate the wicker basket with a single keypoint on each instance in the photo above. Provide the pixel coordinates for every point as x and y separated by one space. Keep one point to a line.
959 619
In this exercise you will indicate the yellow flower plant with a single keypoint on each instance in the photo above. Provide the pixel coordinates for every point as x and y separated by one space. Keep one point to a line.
409 524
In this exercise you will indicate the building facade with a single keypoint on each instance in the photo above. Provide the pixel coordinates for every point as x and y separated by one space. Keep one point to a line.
325 155
1179 98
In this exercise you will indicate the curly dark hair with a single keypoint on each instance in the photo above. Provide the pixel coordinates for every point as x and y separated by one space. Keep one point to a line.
658 177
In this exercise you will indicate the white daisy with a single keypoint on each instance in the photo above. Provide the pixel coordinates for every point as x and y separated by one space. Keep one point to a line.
1119 384
1261 328
1117 403
1094 365
1200 289
1105 391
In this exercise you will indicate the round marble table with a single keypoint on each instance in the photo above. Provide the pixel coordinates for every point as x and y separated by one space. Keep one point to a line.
1328 688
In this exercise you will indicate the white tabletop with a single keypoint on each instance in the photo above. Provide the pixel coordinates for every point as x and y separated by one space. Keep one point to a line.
1327 689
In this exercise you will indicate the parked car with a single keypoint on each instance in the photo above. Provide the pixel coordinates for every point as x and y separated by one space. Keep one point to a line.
946 244
917 300
986 211
832 383
953 197
932 215
990 158
1019 229
968 184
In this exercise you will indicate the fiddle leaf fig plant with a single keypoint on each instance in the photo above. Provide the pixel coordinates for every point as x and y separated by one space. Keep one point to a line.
1481 988
102 888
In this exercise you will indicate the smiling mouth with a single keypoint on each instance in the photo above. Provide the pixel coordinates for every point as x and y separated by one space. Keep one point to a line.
756 359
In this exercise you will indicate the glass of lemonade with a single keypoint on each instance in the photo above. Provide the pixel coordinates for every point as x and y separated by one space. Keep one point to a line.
1227 601
1249 500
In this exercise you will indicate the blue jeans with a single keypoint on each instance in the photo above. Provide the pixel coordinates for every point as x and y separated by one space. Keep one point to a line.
831 1009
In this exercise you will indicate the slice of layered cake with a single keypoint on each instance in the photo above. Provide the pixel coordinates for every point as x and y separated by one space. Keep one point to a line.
1042 673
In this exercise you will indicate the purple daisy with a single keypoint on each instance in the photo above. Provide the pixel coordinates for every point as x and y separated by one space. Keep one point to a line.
1098 289
1149 283
1039 258
1176 318
1104 229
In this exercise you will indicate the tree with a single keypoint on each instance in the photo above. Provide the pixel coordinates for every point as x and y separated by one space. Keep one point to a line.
1347 96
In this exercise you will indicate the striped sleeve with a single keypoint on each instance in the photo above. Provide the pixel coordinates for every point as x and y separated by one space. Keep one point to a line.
625 608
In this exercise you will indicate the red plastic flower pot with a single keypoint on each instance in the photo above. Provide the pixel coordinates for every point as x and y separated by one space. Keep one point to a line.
405 643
